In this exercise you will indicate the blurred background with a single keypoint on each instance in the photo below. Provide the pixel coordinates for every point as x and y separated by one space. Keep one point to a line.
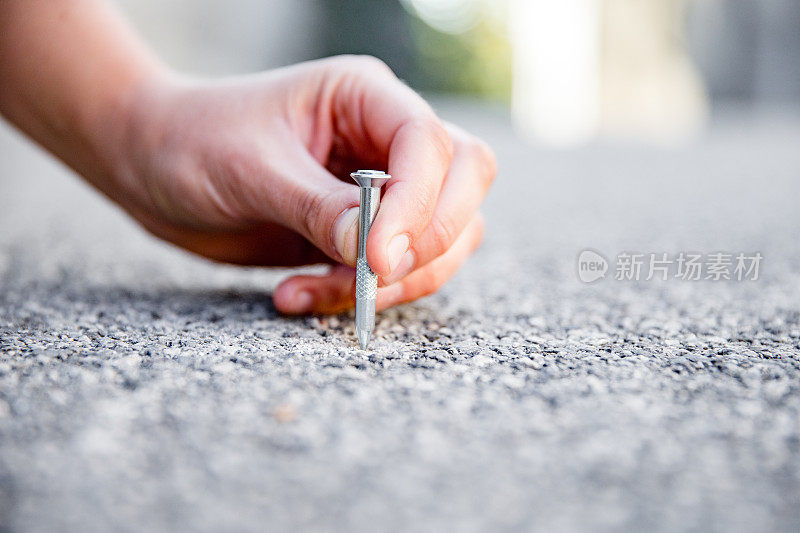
570 71
142 388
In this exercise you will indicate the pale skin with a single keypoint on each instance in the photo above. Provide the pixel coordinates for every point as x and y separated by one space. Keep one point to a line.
247 170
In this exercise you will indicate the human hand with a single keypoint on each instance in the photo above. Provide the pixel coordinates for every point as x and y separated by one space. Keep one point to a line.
247 170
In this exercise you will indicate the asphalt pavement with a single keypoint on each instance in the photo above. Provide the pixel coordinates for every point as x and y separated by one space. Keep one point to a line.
143 389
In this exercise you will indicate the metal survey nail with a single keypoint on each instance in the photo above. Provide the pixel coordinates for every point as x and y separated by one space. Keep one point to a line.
370 182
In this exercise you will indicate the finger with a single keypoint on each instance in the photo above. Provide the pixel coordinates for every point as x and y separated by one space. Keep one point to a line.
430 278
334 292
313 202
328 294
376 113
418 162
470 175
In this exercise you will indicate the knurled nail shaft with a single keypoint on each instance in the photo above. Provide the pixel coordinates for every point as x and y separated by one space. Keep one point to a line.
370 182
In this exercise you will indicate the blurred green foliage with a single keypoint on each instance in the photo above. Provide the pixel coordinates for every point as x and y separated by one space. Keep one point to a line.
476 62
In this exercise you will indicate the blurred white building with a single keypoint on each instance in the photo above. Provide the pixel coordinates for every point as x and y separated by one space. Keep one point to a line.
618 68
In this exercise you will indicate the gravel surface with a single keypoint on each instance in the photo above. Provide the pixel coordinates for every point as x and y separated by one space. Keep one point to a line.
145 389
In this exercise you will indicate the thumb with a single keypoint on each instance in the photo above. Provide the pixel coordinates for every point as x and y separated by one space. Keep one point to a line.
317 205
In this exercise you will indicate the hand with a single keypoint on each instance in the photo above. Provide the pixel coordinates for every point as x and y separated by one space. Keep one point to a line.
255 170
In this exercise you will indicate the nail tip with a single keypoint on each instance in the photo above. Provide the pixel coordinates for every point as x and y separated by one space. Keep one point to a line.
363 339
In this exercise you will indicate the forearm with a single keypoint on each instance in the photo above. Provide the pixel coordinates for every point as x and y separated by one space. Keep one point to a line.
68 69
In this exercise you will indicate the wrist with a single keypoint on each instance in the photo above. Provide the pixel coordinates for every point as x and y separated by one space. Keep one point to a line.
127 131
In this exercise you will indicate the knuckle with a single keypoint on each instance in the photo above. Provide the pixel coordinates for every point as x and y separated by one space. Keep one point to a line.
432 284
419 288
444 233
479 230
361 63
308 206
438 137
484 158
424 203
480 227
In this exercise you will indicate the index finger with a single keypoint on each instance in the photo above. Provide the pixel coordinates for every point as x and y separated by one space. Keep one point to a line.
382 113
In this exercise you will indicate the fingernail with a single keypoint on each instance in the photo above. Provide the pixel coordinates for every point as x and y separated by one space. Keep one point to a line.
406 265
345 235
301 303
397 248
